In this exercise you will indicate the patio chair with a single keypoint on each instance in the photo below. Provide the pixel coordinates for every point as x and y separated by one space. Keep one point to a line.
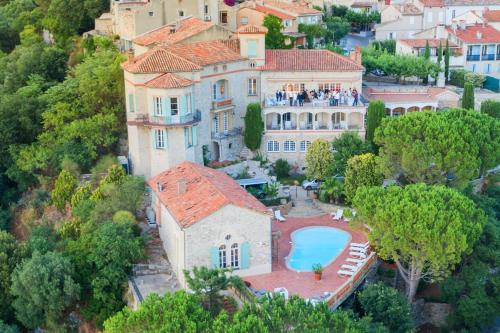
359 248
356 261
345 273
278 216
358 254
338 214
360 244
350 267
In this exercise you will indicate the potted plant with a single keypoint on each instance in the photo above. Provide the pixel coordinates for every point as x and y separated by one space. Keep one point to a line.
318 271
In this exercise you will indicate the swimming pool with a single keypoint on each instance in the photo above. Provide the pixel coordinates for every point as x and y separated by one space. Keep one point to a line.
315 245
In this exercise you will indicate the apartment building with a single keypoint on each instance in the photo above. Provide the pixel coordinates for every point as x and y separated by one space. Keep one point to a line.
187 101
416 47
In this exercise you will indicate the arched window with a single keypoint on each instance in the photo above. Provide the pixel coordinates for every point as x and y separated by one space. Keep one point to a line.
235 256
222 256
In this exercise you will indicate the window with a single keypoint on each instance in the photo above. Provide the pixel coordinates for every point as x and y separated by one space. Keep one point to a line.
216 124
222 256
158 106
174 106
287 23
252 48
392 35
188 136
487 68
252 64
181 13
205 9
429 17
273 146
453 13
304 145
289 146
225 123
131 104
244 20
214 92
223 17
252 87
235 256
151 14
160 138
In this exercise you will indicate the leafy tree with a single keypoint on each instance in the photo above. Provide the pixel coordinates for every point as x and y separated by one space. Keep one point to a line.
254 126
388 45
319 160
208 283
337 28
64 188
274 38
83 192
339 11
446 147
43 239
333 189
491 107
43 287
347 145
424 229
439 54
387 306
176 313
361 171
11 253
4 328
312 32
468 96
376 112
281 168
447 61
103 256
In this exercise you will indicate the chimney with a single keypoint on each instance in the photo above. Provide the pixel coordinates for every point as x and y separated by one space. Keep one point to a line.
358 55
131 56
159 187
181 186
352 54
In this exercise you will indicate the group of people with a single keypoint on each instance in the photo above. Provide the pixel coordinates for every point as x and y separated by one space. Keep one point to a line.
334 97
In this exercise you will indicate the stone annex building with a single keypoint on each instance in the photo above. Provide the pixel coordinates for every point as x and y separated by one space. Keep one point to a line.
188 84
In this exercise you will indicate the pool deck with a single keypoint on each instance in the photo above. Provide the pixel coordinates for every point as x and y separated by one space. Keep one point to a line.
303 283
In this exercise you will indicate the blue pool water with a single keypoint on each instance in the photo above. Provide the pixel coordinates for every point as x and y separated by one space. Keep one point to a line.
316 245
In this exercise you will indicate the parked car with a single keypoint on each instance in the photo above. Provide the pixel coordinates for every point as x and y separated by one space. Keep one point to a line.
311 184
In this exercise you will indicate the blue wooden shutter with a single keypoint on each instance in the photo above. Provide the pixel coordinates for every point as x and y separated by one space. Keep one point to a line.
214 257
252 48
152 107
186 137
245 255
195 138
131 104
166 109
183 105
191 102
165 138
153 137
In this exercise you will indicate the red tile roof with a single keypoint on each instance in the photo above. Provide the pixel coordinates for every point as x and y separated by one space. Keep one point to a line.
169 34
159 60
492 15
207 191
252 29
274 12
421 42
168 81
207 53
433 3
418 95
295 8
488 34
308 60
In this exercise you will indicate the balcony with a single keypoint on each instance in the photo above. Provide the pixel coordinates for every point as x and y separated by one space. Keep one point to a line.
473 57
148 120
222 104
488 57
227 134
315 103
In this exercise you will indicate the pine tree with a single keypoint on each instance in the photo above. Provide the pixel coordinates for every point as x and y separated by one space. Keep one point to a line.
468 96
439 55
447 61
376 111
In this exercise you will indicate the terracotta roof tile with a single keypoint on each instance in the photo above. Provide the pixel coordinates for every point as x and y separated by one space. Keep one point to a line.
470 2
252 29
470 34
169 34
492 15
168 81
295 8
274 12
308 60
159 60
207 191
421 42
432 3
418 95
207 53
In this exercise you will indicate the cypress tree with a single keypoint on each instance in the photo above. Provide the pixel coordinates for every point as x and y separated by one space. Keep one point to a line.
447 61
439 55
376 111
427 52
468 96
253 126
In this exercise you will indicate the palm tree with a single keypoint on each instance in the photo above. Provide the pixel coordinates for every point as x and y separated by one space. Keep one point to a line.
333 188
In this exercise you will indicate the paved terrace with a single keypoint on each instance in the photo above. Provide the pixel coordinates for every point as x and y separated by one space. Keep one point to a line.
303 283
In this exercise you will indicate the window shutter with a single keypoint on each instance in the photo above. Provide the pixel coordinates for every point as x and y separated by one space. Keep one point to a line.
153 137
183 105
245 255
214 257
252 48
186 137
166 108
131 104
195 137
191 102
152 106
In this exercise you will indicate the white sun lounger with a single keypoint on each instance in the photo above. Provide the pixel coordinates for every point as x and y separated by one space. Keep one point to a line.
358 249
356 261
278 216
358 254
360 244
338 214
350 267
345 273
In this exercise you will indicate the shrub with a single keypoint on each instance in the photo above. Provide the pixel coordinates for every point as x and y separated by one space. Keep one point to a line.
253 126
63 189
281 168
468 96
491 108
458 78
